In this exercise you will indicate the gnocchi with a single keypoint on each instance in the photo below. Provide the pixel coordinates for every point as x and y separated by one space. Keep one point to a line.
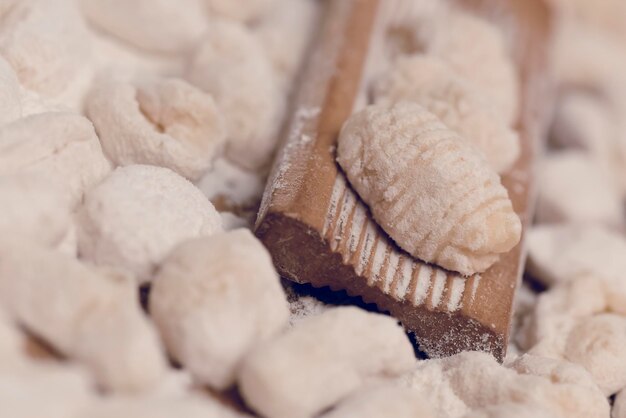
381 402
46 43
159 26
240 10
351 347
576 188
412 172
163 122
59 145
471 45
115 229
213 300
230 64
596 343
90 314
429 82
561 253
285 33
474 380
35 209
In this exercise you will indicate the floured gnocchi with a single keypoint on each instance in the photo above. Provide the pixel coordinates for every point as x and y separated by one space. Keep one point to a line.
163 122
230 65
431 83
160 26
46 43
427 187
62 145
114 228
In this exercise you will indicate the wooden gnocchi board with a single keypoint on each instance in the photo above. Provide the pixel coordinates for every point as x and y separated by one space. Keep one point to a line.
317 229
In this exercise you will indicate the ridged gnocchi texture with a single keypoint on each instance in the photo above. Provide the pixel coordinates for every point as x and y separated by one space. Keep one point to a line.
427 187
431 83
230 64
163 122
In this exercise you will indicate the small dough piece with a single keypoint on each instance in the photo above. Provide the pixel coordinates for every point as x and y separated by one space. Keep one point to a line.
232 187
230 221
163 26
35 209
213 300
231 65
383 402
10 95
321 360
557 310
117 60
187 406
405 18
33 104
92 316
576 188
62 146
163 122
584 121
138 214
474 380
477 51
44 390
584 56
45 41
511 410
560 253
597 343
285 33
240 10
558 371
431 83
430 190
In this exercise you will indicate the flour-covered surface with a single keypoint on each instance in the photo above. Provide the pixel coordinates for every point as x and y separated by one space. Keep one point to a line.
133 290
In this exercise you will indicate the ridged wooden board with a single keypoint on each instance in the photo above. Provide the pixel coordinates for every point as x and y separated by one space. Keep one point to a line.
319 231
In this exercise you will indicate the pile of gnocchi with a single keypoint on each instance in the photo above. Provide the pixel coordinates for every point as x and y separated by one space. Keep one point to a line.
135 138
